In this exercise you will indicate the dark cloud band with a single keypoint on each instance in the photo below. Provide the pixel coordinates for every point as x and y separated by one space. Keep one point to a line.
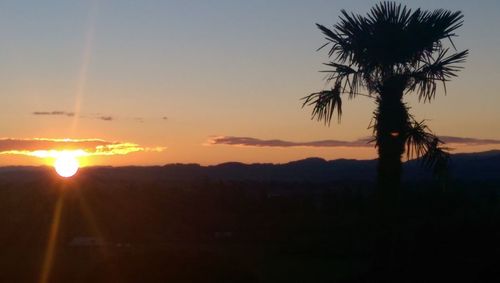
54 113
97 116
248 141
363 142
469 141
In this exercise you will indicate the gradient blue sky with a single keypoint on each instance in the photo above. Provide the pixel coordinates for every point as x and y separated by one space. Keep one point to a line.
214 68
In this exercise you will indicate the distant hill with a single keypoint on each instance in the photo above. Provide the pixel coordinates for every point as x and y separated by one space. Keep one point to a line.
481 166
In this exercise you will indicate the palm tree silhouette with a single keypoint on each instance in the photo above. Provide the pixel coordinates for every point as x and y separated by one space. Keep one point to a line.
391 52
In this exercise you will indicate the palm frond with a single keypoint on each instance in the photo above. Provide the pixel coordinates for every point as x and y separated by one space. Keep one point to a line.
422 143
437 158
338 42
418 138
325 103
352 78
433 70
369 41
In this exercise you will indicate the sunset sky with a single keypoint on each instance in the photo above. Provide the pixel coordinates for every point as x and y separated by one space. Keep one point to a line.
156 82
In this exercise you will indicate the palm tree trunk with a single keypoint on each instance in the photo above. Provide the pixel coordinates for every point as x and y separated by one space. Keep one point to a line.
391 122
392 118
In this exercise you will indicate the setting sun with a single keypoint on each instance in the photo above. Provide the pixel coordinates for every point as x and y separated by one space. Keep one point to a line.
66 165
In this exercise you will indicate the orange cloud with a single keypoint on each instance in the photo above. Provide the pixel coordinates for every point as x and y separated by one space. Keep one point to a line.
45 147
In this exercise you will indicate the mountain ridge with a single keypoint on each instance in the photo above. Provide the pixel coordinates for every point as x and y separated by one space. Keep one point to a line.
481 166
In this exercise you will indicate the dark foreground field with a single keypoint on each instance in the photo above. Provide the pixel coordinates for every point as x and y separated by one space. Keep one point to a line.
107 226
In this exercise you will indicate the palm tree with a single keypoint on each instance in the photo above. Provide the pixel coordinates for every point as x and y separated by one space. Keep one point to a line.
391 52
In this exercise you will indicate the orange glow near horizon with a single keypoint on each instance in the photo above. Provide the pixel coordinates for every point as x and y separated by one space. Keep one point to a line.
49 150
64 161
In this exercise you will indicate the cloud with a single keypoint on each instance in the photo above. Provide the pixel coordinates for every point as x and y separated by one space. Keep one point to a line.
72 114
44 147
105 118
469 141
362 142
96 116
248 141
54 113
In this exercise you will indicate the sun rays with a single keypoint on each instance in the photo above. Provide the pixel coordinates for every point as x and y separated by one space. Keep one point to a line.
61 212
48 259
86 58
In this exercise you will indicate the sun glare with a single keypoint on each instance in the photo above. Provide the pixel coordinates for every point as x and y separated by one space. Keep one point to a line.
66 165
